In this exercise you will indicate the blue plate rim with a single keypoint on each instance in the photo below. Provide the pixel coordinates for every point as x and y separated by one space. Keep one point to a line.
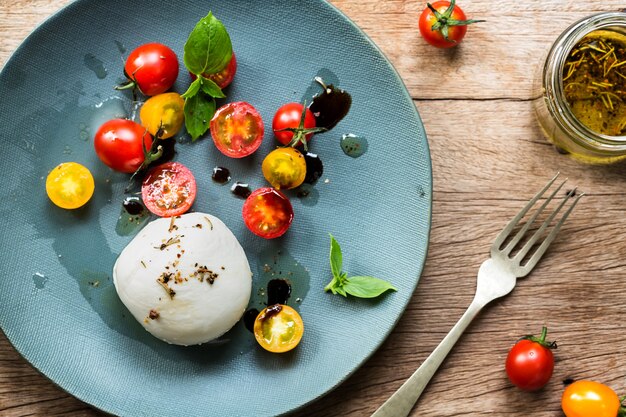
429 194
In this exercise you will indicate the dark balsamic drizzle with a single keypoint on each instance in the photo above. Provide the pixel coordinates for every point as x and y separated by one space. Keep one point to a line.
330 106
314 168
278 292
133 206
241 189
221 175
249 318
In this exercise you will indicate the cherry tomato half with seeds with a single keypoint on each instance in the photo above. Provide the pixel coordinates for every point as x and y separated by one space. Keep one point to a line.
163 111
278 328
152 68
284 168
267 213
237 129
591 399
443 24
120 144
70 185
169 189
530 362
225 76
288 116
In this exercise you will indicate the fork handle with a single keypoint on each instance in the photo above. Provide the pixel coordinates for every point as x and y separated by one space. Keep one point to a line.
403 400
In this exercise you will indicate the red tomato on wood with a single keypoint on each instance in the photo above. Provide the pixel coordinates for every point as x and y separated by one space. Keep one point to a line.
530 362
443 24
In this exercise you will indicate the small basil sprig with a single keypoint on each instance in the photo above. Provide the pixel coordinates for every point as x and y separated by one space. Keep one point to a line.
358 286
208 50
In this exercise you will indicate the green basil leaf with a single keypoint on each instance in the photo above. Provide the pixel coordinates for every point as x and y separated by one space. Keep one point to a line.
340 291
210 88
336 259
199 111
193 89
367 287
208 49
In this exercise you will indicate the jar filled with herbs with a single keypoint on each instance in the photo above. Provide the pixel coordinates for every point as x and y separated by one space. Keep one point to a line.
582 88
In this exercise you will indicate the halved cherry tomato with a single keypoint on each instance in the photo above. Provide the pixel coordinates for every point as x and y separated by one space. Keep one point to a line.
278 328
152 68
590 399
267 213
169 189
443 24
120 144
284 168
164 111
288 116
237 129
530 362
70 185
225 76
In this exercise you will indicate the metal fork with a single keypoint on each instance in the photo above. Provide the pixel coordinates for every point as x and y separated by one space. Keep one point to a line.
496 278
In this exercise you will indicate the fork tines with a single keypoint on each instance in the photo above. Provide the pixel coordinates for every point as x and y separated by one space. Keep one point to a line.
532 240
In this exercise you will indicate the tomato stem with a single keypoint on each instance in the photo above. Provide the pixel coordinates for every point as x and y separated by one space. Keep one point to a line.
300 132
445 21
542 339
126 86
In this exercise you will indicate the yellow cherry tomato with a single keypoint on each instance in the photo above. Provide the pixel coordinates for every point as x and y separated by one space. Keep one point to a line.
284 168
590 399
165 111
70 185
278 328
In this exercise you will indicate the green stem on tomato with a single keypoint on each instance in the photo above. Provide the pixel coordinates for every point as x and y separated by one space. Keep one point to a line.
300 132
150 156
445 20
542 339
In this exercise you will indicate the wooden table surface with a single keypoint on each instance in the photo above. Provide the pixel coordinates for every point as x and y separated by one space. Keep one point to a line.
488 157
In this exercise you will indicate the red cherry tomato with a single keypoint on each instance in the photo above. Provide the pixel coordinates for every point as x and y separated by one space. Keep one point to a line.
452 19
169 189
237 129
152 67
530 362
120 144
225 76
267 213
288 116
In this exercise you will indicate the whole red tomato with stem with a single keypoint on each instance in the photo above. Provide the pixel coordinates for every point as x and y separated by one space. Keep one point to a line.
294 124
591 399
152 68
530 362
443 24
122 144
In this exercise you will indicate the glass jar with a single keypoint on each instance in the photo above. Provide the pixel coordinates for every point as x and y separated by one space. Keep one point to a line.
555 116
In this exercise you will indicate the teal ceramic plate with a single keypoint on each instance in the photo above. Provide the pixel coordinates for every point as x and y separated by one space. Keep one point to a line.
57 303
